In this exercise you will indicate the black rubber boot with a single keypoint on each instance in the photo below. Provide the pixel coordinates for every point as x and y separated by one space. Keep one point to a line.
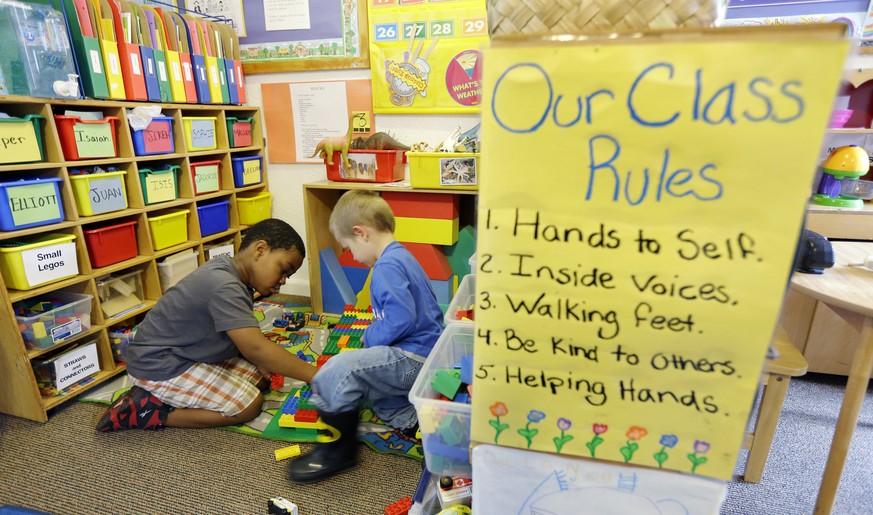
329 458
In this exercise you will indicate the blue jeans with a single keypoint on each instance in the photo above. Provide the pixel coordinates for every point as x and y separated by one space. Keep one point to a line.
382 375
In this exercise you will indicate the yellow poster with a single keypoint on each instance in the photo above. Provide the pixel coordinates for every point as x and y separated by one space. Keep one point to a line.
425 55
639 210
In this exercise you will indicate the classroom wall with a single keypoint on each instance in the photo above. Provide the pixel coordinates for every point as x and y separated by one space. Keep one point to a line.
286 180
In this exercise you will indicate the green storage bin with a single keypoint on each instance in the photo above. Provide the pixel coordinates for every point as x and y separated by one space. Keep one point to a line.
159 185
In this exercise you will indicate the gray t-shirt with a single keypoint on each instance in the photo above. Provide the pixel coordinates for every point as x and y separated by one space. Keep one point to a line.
188 324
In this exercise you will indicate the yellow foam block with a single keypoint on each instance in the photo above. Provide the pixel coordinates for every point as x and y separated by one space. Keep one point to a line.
426 230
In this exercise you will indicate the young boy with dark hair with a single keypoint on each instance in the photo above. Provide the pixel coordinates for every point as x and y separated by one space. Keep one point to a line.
199 358
408 322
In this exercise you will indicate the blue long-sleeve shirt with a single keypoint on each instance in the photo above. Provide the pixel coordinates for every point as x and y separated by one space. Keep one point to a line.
406 311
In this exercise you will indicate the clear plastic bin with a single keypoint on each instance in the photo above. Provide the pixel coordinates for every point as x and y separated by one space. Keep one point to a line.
464 298
173 268
57 373
52 318
120 293
445 425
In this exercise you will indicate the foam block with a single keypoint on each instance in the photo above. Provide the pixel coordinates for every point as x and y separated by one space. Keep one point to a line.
347 259
423 205
432 260
443 290
363 299
426 230
357 276
336 291
459 254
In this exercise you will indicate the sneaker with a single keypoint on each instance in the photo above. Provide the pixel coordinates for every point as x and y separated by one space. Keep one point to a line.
136 409
410 432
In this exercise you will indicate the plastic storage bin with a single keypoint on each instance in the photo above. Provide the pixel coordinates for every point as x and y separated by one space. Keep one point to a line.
120 293
98 193
21 139
30 203
254 208
239 131
247 170
199 132
214 216
169 229
87 139
219 248
119 339
444 170
367 166
111 244
464 298
38 260
173 268
36 49
159 185
445 425
52 318
157 138
206 176
67 368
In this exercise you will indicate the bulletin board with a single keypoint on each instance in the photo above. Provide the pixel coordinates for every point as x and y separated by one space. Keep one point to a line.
631 267
336 37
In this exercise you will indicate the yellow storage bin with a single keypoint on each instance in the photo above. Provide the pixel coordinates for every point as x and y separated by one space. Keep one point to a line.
254 208
38 260
98 193
199 132
169 229
444 170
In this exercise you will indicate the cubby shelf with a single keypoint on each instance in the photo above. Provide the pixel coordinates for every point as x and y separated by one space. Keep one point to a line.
20 395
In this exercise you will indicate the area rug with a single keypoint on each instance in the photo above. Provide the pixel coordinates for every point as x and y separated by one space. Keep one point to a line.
307 343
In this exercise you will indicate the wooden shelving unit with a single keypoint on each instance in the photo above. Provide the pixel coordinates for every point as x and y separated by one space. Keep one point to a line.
19 394
319 199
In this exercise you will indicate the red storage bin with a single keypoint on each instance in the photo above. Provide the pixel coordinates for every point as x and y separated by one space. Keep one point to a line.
367 166
111 244
87 139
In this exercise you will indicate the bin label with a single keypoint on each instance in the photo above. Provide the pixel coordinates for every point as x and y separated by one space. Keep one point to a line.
242 134
162 71
106 195
64 331
18 142
50 263
251 171
76 365
157 138
94 139
202 134
160 187
33 203
95 61
206 178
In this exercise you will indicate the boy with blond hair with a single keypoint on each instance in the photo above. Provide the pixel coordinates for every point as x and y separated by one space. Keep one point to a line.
408 321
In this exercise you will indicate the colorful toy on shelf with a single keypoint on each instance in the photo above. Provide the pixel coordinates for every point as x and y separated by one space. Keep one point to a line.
839 185
326 147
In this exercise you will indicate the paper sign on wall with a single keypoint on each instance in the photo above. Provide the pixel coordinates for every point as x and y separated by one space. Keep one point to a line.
626 297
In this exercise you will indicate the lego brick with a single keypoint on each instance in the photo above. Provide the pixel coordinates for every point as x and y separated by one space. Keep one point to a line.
459 254
423 205
400 507
287 452
467 369
447 382
432 259
336 291
426 230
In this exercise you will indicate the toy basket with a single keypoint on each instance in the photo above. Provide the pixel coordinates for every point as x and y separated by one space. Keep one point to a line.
578 16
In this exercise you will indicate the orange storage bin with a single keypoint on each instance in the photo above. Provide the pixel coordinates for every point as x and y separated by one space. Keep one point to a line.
367 166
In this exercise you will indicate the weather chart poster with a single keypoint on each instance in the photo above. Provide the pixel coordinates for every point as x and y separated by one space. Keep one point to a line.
425 55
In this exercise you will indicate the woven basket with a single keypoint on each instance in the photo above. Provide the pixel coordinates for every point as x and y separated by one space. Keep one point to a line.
584 16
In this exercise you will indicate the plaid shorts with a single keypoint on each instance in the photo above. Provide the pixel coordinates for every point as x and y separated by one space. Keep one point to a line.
227 387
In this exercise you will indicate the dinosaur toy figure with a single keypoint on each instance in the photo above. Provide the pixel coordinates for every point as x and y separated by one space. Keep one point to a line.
378 141
327 146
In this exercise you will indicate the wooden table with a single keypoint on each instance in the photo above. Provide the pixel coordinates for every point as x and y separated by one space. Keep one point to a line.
848 290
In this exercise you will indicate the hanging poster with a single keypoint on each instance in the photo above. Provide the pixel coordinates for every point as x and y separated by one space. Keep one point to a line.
425 55
631 259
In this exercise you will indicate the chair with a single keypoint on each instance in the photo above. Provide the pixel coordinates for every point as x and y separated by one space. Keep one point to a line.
776 377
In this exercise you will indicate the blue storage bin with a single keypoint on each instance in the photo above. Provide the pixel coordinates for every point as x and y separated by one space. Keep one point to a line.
213 216
247 170
30 203
157 138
